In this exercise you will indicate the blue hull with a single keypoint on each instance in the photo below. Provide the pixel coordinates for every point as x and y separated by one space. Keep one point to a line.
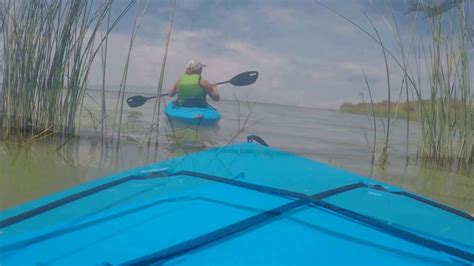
192 115
238 204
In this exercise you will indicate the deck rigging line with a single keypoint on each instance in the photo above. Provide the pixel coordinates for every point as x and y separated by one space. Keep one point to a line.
226 231
313 201
301 199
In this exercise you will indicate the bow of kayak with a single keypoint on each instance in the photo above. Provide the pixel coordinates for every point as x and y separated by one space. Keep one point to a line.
239 204
192 115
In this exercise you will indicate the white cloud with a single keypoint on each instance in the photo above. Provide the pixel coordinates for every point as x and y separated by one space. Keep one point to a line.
305 55
236 56
255 54
279 15
345 29
372 69
321 75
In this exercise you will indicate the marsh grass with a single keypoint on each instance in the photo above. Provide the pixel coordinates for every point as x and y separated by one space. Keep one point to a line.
48 49
159 88
103 52
123 84
243 118
443 102
446 121
373 148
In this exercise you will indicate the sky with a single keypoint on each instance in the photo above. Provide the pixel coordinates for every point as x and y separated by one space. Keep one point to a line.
306 54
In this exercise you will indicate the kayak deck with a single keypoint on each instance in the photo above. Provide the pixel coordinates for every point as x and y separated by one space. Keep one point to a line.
182 217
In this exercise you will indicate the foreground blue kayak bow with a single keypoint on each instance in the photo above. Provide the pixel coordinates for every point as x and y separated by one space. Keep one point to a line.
238 204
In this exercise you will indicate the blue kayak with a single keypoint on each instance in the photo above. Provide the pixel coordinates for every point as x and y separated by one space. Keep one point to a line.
192 115
239 204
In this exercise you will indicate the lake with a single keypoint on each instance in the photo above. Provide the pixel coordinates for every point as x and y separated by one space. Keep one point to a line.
40 167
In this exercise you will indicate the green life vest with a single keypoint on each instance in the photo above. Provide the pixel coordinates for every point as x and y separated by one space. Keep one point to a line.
189 87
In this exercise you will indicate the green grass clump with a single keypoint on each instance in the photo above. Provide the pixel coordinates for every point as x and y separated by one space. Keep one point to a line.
436 71
48 49
446 118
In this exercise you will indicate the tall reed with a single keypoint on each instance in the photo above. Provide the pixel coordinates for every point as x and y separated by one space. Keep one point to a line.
446 128
445 117
159 89
48 50
103 129
123 84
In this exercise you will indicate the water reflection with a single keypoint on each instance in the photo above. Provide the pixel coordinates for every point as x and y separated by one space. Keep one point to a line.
43 166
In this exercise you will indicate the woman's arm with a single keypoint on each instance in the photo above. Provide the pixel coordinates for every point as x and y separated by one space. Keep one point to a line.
174 90
211 89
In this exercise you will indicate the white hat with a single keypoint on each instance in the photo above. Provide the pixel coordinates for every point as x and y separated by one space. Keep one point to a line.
194 65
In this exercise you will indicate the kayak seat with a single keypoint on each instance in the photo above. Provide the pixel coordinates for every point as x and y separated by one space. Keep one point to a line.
194 102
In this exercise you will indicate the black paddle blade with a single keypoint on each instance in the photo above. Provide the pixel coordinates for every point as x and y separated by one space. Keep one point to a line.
136 101
244 79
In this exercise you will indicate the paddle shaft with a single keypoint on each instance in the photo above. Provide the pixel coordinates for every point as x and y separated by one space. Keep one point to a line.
242 79
166 94
161 95
222 82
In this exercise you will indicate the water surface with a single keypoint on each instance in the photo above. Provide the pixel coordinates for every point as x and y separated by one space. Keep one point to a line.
41 167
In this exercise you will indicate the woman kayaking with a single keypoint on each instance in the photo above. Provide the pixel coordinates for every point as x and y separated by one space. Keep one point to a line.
192 89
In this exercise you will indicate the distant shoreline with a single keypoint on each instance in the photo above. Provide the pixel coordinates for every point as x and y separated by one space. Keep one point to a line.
401 110
381 109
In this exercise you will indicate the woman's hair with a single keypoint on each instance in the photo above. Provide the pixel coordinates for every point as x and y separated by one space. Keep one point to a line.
194 67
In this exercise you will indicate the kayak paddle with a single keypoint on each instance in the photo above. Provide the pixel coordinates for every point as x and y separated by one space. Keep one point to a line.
138 100
242 79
